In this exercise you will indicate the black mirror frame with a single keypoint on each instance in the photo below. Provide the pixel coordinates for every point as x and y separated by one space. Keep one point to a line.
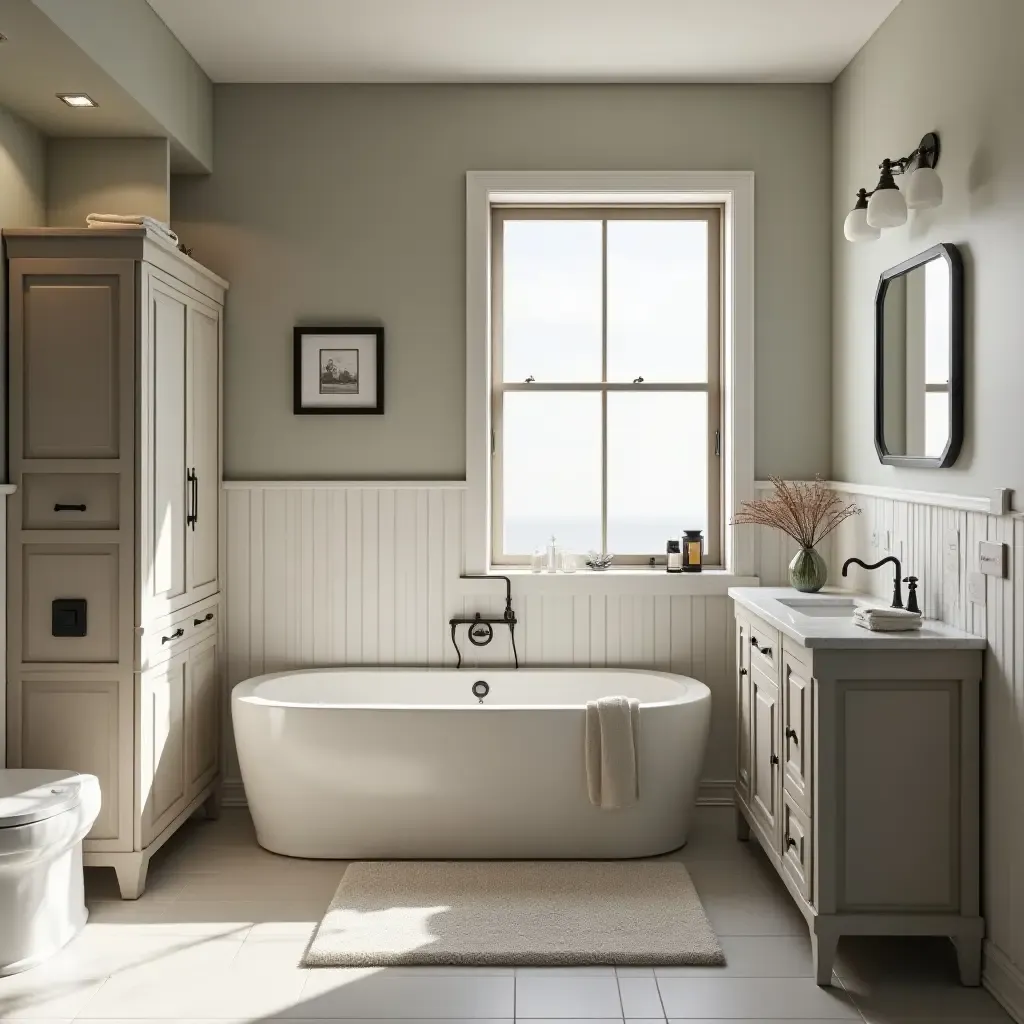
951 255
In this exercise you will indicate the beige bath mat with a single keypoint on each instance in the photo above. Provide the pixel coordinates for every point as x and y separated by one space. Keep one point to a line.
514 913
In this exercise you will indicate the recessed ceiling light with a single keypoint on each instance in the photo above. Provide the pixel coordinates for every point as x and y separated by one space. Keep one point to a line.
77 99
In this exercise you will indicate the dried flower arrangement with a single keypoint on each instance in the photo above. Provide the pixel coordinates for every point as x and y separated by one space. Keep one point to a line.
807 512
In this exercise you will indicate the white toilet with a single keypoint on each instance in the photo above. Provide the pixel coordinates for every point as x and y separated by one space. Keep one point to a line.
44 816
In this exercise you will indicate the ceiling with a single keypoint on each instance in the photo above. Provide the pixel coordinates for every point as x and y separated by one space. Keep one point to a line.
523 40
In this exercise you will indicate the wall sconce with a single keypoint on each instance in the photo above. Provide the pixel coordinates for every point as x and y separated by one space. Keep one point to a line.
887 205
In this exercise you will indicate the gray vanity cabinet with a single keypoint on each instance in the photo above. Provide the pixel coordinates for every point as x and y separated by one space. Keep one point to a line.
858 773
113 558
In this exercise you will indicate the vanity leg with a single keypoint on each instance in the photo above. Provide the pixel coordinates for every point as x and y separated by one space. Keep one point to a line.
968 958
742 826
131 871
824 941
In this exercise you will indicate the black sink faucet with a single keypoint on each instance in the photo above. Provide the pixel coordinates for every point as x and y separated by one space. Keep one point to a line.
897 590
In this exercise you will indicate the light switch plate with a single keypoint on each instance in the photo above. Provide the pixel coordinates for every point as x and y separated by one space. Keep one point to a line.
976 587
992 558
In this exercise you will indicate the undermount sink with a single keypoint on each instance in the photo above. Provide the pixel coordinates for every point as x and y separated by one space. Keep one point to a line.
820 607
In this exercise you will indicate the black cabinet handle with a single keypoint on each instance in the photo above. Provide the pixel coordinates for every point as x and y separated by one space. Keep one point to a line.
195 499
68 508
743 671
174 636
791 735
766 651
790 841
190 517
775 758
205 618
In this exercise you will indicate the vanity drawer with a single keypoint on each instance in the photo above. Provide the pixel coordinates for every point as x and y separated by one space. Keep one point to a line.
70 501
764 648
796 846
164 638
797 730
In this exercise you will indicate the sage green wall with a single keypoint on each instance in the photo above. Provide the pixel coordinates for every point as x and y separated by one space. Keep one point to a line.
953 67
342 204
22 205
126 176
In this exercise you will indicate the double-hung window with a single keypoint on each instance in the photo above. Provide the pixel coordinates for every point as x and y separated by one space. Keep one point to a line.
606 379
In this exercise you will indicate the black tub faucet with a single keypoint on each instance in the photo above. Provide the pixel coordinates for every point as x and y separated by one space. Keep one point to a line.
897 590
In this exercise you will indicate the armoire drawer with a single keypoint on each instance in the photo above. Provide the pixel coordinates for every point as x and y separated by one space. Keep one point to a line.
70 501
166 637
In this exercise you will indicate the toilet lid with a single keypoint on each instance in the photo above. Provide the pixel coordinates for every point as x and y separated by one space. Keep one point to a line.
34 794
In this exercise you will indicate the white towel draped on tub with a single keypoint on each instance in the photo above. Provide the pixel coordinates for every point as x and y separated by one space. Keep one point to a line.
613 752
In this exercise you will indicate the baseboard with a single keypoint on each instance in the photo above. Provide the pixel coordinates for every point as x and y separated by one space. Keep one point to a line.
716 793
1005 980
232 793
711 793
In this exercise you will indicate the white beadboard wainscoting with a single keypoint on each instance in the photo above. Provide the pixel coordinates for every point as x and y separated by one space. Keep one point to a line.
368 574
914 531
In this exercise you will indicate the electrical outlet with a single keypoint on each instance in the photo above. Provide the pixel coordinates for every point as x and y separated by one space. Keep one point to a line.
976 587
992 558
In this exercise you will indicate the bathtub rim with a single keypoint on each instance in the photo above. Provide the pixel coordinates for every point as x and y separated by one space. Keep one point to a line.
243 692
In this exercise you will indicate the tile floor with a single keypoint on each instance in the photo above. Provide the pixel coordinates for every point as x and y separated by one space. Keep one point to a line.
223 924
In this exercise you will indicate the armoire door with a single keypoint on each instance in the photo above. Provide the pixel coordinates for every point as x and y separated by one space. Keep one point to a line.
202 435
163 746
164 465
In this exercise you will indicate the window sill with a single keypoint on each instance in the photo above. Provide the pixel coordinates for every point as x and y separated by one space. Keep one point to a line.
709 583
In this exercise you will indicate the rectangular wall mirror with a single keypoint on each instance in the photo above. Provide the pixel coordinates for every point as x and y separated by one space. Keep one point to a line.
919 360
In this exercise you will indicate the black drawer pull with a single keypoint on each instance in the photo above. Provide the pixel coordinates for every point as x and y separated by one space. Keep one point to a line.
791 735
205 618
174 636
790 841
68 508
766 651
743 671
775 758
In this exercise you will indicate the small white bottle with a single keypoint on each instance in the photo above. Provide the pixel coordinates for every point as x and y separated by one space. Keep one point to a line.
552 554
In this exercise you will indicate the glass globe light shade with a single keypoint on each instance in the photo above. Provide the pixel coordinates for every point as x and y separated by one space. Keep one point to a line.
924 189
887 208
856 227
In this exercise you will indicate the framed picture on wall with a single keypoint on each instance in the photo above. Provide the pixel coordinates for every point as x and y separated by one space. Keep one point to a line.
339 370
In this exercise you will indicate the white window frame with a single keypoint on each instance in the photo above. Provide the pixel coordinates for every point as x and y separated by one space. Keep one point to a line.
734 191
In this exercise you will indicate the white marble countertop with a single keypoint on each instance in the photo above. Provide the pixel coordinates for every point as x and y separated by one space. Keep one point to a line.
839 632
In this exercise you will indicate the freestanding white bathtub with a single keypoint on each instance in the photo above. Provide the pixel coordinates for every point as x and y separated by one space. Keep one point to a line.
364 763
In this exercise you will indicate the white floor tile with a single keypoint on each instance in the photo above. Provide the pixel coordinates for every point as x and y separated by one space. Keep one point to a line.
376 995
883 1004
565 972
760 998
754 956
41 994
640 998
635 972
764 915
567 996
151 993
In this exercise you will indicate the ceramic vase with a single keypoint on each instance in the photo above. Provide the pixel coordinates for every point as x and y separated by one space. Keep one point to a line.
808 572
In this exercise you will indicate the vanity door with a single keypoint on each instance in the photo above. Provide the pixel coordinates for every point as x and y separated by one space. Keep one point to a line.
765 711
797 733
743 724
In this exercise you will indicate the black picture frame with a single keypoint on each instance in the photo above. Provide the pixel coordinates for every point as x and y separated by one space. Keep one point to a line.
951 254
298 336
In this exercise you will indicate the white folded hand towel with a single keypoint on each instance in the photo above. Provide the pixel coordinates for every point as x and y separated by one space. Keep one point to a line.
887 620
121 220
613 751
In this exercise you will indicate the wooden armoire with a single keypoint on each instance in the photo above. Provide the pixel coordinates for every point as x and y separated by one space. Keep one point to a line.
113 567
